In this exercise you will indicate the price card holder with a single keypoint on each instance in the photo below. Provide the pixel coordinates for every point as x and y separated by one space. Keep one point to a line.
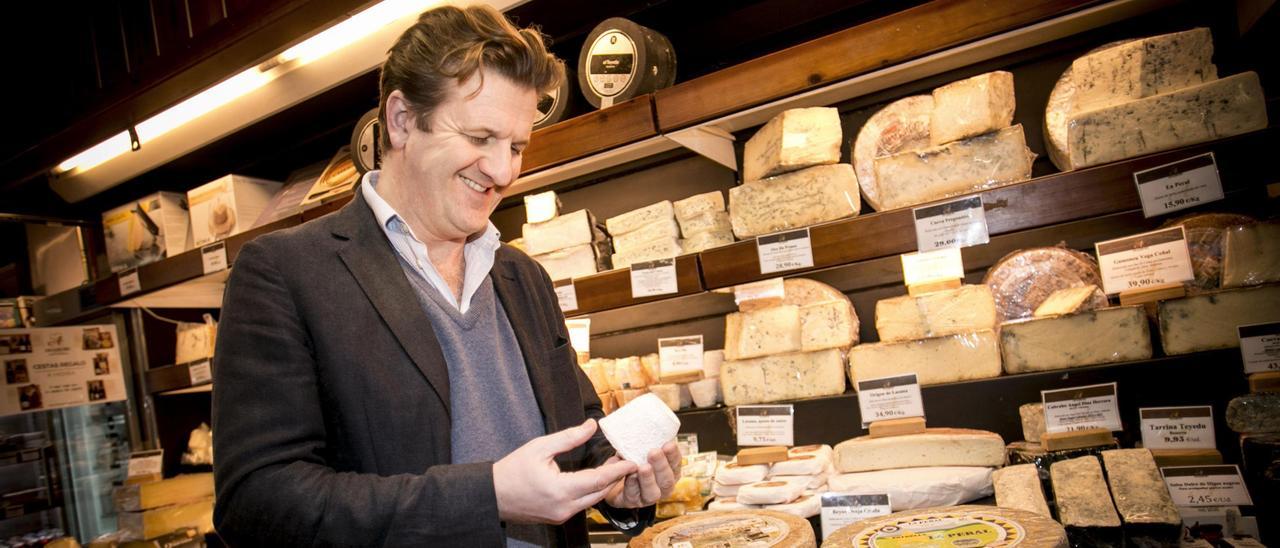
1178 185
784 251
1260 347
1147 262
929 271
766 425
1081 408
567 295
688 443
145 466
680 359
841 509
956 223
214 257
580 337
1177 427
889 398
129 283
653 278
1219 485
200 372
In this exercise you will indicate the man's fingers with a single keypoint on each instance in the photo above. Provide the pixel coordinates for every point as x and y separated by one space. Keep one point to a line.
672 451
584 482
649 491
567 439
663 475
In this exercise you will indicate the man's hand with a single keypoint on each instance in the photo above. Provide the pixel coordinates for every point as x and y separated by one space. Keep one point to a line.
652 481
530 487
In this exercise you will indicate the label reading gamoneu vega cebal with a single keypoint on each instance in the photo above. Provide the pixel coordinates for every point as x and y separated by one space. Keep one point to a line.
943 531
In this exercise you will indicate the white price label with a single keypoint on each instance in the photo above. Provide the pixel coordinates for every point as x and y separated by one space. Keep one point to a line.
841 509
1215 485
1178 185
785 251
653 278
1177 427
889 398
129 283
579 334
146 463
1144 260
932 266
567 295
1081 408
766 425
957 223
678 356
1260 347
214 257
688 444
200 372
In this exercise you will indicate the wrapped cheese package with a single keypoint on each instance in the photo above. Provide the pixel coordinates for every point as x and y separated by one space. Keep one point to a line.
1022 280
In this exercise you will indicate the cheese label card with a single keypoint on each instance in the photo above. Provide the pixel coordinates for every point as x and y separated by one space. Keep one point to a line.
931 266
144 464
688 444
679 356
200 372
1177 427
1216 485
1144 260
1260 347
214 257
1178 185
784 251
957 223
129 283
1081 408
652 278
772 289
766 425
888 398
579 334
841 509
567 295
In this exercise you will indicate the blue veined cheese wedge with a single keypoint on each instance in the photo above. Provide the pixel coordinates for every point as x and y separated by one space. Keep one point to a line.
795 139
782 377
953 358
630 242
567 230
985 161
1108 335
1142 68
637 218
1208 321
971 107
794 200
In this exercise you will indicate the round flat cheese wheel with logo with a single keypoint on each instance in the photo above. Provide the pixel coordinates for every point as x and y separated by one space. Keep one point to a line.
554 105
620 60
364 143
955 526
899 127
734 528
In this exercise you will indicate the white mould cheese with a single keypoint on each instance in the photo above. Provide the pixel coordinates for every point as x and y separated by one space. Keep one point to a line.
801 465
933 447
793 200
705 392
568 230
965 309
970 107
1018 487
1108 335
806 506
782 377
643 424
1208 321
772 491
795 139
731 473
899 127
985 161
541 207
637 218
952 358
924 487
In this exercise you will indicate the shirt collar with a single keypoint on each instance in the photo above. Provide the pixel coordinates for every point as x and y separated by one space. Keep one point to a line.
388 219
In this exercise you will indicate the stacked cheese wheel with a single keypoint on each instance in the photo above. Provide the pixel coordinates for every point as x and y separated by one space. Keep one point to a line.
790 486
938 467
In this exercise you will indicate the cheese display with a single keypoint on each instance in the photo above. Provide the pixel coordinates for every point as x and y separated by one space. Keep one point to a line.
1018 486
791 200
971 526
638 218
822 450
807 506
567 230
703 241
155 494
971 107
1079 491
1254 413
228 205
962 310
643 424
705 392
1205 241
782 377
1208 321
1100 336
1142 68
1251 255
802 465
795 139
1022 280
146 230
1025 452
763 332
938 360
541 207
713 222
772 491
744 527
901 126
628 243
721 490
1072 300
1032 415
934 447
158 521
1141 498
573 262
732 473
985 161
662 248
911 488
696 206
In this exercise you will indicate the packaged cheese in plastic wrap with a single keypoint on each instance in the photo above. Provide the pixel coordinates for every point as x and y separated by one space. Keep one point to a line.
960 167
1251 254
1205 240
1022 280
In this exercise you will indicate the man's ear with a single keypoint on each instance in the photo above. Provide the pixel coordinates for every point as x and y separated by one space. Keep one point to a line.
399 118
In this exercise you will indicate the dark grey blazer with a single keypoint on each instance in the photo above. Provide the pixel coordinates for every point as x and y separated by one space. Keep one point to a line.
331 399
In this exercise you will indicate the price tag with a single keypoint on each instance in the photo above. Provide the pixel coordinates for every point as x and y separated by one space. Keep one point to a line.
679 356
931 266
1260 347
652 278
841 509
784 251
146 464
1081 408
957 223
772 289
1144 260
567 295
200 372
889 398
688 444
1177 427
214 257
1178 185
1216 485
129 283
766 425
579 334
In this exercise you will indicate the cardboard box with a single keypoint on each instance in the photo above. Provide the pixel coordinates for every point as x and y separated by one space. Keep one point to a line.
146 230
227 206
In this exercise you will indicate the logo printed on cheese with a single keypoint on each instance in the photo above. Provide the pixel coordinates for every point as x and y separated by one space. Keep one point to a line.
725 530
612 63
943 530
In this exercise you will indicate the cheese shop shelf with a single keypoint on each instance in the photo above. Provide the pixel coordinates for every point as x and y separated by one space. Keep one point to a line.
172 378
1206 378
590 133
612 289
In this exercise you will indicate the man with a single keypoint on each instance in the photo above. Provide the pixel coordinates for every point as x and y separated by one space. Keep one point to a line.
392 374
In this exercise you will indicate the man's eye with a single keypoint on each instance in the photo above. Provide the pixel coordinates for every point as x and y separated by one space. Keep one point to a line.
479 140
517 150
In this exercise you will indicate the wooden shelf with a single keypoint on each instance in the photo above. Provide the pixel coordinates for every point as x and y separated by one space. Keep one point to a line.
590 133
177 377
612 289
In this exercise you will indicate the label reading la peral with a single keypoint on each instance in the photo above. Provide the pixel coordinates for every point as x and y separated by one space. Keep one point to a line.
567 295
784 251
766 425
1081 408
888 398
1215 485
679 356
957 223
1178 185
841 509
1177 427
653 278
1144 260
1260 347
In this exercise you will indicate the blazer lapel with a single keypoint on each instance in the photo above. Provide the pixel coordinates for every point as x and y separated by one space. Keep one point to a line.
373 263
519 311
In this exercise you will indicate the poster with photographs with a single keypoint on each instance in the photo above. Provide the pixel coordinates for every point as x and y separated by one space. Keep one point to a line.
57 367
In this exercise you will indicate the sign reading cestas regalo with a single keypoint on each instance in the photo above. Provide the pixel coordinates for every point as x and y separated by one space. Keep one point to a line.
57 367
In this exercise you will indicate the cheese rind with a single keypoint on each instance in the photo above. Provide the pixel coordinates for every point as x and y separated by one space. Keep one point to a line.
637 218
1137 488
772 491
902 125
953 526
793 200
981 162
926 487
1208 321
938 360
973 106
1251 255
1018 486
1206 238
660 229
567 230
1078 488
1023 279
782 377
763 332
795 139
1142 68
698 204
1099 336
965 309
934 447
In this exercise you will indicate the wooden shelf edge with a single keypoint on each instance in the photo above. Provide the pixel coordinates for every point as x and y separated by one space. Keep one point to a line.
591 133
612 289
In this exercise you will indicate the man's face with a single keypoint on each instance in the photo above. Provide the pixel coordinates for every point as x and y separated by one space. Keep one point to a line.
448 179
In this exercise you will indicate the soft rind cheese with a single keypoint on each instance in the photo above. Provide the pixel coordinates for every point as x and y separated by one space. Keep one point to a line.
660 229
567 230
1018 487
662 248
965 309
541 207
1032 415
806 506
795 139
901 126
933 447
572 262
1213 110
1071 300
1079 488
985 161
772 491
970 107
703 241
1138 490
698 204
1251 255
1208 321
792 200
1109 335
643 424
953 358
911 488
763 332
637 218
972 526
1022 280
782 377
1142 68
711 221
746 527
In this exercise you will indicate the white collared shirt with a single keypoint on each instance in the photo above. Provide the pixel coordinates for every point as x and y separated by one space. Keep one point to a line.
478 253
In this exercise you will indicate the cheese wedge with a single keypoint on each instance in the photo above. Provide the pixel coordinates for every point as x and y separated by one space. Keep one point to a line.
793 200
1208 321
795 139
782 377
971 107
938 360
985 161
965 309
934 447
1089 338
1019 487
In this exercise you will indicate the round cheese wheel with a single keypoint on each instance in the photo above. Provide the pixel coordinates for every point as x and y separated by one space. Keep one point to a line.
364 142
1058 112
955 526
901 126
1021 280
756 528
803 291
1205 232
553 105
620 60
